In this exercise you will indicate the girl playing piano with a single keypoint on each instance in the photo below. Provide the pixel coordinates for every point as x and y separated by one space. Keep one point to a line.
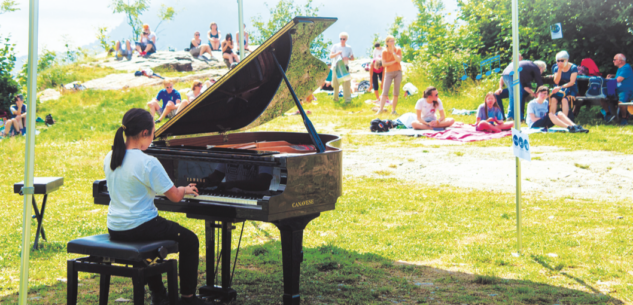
134 178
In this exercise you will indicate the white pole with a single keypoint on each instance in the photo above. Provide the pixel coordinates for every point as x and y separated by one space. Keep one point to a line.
517 110
29 151
240 9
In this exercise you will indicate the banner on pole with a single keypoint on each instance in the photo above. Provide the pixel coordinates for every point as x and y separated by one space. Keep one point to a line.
556 30
521 145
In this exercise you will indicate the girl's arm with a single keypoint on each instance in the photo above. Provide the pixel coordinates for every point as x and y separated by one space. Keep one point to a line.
398 55
175 194
533 117
209 35
420 120
193 42
442 116
371 74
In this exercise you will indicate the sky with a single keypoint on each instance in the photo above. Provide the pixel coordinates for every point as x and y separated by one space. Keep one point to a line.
75 22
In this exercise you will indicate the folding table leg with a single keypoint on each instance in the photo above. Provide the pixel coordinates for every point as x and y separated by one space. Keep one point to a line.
40 218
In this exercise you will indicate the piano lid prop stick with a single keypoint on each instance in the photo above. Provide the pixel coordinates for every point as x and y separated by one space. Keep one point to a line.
318 144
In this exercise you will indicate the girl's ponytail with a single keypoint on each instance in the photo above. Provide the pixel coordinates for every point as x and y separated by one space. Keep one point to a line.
135 121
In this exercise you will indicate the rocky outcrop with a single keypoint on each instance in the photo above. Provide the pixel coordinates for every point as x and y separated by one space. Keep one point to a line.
49 95
178 61
128 80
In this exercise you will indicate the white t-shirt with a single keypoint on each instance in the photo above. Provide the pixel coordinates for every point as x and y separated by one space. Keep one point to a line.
347 52
539 110
132 188
191 96
149 37
378 53
428 111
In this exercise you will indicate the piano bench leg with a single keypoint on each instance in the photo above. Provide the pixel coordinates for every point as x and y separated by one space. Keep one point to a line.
292 255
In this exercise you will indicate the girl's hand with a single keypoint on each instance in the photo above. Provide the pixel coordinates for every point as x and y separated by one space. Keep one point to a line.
191 189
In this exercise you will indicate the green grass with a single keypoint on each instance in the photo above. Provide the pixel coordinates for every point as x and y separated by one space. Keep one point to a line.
58 75
386 241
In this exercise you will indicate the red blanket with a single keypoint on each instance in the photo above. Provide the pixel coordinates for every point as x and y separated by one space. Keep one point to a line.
467 133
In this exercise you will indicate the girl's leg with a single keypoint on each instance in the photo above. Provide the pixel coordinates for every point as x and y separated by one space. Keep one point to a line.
385 92
396 90
17 123
506 126
419 126
377 96
205 49
554 118
168 108
182 106
553 105
153 107
235 58
565 119
447 122
216 43
487 127
229 57
7 127
565 105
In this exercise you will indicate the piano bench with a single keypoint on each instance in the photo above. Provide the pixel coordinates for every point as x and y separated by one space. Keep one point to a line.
137 260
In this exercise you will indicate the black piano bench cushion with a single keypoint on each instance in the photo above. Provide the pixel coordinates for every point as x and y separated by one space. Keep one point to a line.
102 246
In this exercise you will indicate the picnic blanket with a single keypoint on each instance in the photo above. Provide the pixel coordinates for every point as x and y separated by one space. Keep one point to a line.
467 133
399 132
463 112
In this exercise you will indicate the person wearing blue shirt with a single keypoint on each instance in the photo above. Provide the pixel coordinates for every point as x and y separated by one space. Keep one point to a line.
566 89
624 77
170 98
540 116
530 72
490 116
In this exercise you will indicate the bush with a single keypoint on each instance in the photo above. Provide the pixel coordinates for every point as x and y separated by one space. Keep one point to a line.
446 70
8 89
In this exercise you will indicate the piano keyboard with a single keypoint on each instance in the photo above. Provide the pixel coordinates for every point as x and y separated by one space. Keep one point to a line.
225 199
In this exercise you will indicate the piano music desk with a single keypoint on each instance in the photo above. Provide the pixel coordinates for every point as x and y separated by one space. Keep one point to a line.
42 186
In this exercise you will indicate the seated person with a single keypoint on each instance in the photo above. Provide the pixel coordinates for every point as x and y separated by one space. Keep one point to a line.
147 45
134 179
17 123
566 89
327 84
227 50
539 115
196 48
490 116
427 108
214 37
375 76
196 89
624 89
170 98
237 39
119 53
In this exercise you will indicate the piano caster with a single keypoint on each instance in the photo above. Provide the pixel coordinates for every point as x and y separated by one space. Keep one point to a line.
218 294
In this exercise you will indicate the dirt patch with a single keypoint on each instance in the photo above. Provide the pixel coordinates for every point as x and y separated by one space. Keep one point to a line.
555 172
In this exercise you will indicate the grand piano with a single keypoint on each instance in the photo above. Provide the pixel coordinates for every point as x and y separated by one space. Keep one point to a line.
285 178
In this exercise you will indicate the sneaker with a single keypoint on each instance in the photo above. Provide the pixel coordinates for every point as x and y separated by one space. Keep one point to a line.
142 54
160 297
624 122
157 121
579 128
194 300
572 129
393 112
609 118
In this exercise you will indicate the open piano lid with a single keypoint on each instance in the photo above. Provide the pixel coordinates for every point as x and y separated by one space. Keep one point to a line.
253 92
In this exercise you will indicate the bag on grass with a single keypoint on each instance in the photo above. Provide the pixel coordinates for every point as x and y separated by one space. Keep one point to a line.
595 87
49 120
380 126
341 72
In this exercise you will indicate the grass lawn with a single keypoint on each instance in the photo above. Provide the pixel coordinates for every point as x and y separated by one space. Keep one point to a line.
387 241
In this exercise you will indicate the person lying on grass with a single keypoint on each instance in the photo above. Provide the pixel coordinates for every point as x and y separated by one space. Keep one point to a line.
170 98
539 115
427 108
134 179
490 116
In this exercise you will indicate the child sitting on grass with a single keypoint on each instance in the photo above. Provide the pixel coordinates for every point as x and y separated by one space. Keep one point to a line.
490 116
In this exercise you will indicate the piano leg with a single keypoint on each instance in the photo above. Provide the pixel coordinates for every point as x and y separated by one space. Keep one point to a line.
292 254
224 292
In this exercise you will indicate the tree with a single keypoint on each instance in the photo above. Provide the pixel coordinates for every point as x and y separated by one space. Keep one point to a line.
280 15
166 13
133 10
8 86
597 29
8 6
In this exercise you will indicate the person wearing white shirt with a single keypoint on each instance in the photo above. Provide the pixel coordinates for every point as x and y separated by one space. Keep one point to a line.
341 51
377 51
427 109
147 45
196 89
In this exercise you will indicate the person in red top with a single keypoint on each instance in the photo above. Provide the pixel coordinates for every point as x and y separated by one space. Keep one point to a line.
375 74
391 58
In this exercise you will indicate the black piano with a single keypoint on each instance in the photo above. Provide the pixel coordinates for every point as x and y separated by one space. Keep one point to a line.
284 178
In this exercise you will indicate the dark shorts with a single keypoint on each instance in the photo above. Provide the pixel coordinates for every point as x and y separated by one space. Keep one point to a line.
144 45
625 96
374 79
559 96
543 122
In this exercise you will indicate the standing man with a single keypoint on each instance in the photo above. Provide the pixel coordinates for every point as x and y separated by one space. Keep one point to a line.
341 51
624 77
530 72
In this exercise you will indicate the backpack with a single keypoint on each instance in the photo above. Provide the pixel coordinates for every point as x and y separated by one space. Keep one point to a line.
49 120
380 126
595 87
